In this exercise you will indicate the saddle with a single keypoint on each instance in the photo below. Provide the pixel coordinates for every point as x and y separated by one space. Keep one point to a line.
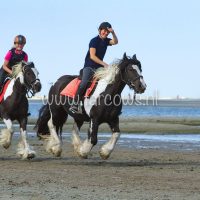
71 89
4 88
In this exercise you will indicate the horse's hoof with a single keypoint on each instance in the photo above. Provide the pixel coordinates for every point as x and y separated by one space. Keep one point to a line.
6 146
84 157
58 153
81 155
103 155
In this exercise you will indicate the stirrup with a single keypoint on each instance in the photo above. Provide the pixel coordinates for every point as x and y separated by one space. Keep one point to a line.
76 109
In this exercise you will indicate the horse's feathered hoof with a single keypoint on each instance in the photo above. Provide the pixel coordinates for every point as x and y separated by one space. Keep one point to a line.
103 155
6 146
84 157
57 153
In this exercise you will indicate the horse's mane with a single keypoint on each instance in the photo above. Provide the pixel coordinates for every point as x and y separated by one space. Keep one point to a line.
16 69
108 73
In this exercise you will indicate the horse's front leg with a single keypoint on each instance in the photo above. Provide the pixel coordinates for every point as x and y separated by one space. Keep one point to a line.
24 149
107 148
6 134
87 145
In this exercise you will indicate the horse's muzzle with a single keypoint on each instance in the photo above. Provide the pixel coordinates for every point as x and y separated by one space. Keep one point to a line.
37 87
141 88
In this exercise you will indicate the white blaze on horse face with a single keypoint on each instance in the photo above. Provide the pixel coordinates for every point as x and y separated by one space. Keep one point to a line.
9 90
35 71
143 83
137 69
36 75
140 74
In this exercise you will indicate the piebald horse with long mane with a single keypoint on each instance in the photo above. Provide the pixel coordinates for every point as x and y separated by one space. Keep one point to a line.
14 105
104 105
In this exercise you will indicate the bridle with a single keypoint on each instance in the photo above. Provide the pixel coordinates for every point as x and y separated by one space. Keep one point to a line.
129 82
29 85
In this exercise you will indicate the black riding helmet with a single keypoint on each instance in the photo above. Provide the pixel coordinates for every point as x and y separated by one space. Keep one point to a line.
105 25
20 39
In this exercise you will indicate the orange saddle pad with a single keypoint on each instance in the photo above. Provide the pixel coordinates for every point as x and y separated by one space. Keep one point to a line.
71 89
4 90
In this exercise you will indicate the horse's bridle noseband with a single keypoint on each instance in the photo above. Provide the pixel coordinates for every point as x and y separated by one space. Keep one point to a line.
29 85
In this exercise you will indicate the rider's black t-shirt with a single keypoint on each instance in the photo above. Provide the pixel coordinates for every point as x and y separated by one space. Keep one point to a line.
16 58
101 46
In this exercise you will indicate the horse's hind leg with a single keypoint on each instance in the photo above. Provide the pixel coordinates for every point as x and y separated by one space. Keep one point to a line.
53 143
76 141
107 148
24 149
6 134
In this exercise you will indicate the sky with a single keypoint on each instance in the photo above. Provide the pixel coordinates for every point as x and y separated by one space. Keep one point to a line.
165 36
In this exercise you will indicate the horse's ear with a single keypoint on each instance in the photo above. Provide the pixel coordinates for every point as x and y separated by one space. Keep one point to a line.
124 56
134 57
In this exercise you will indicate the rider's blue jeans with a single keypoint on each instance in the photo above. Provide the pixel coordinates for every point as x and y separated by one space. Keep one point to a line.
87 75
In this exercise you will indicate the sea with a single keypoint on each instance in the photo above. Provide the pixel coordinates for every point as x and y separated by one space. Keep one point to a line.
186 108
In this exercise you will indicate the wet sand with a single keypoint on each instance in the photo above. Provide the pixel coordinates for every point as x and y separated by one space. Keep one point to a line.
130 173
159 125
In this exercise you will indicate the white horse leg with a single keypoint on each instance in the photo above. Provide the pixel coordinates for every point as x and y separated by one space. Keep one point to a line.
6 134
81 148
25 151
85 147
76 141
107 148
53 142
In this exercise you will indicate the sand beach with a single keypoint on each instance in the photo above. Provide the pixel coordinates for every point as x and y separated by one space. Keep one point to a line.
143 174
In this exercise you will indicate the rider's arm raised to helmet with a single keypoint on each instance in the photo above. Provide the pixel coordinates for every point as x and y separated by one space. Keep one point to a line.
114 40
95 58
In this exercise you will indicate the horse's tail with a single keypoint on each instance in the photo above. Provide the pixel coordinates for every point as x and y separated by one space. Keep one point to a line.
41 124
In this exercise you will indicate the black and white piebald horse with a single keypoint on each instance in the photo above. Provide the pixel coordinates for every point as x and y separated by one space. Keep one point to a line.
103 106
14 106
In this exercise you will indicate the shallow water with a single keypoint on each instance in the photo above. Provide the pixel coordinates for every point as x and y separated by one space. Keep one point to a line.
180 142
184 142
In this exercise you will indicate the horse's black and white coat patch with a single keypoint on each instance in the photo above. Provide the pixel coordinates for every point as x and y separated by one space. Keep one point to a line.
109 75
